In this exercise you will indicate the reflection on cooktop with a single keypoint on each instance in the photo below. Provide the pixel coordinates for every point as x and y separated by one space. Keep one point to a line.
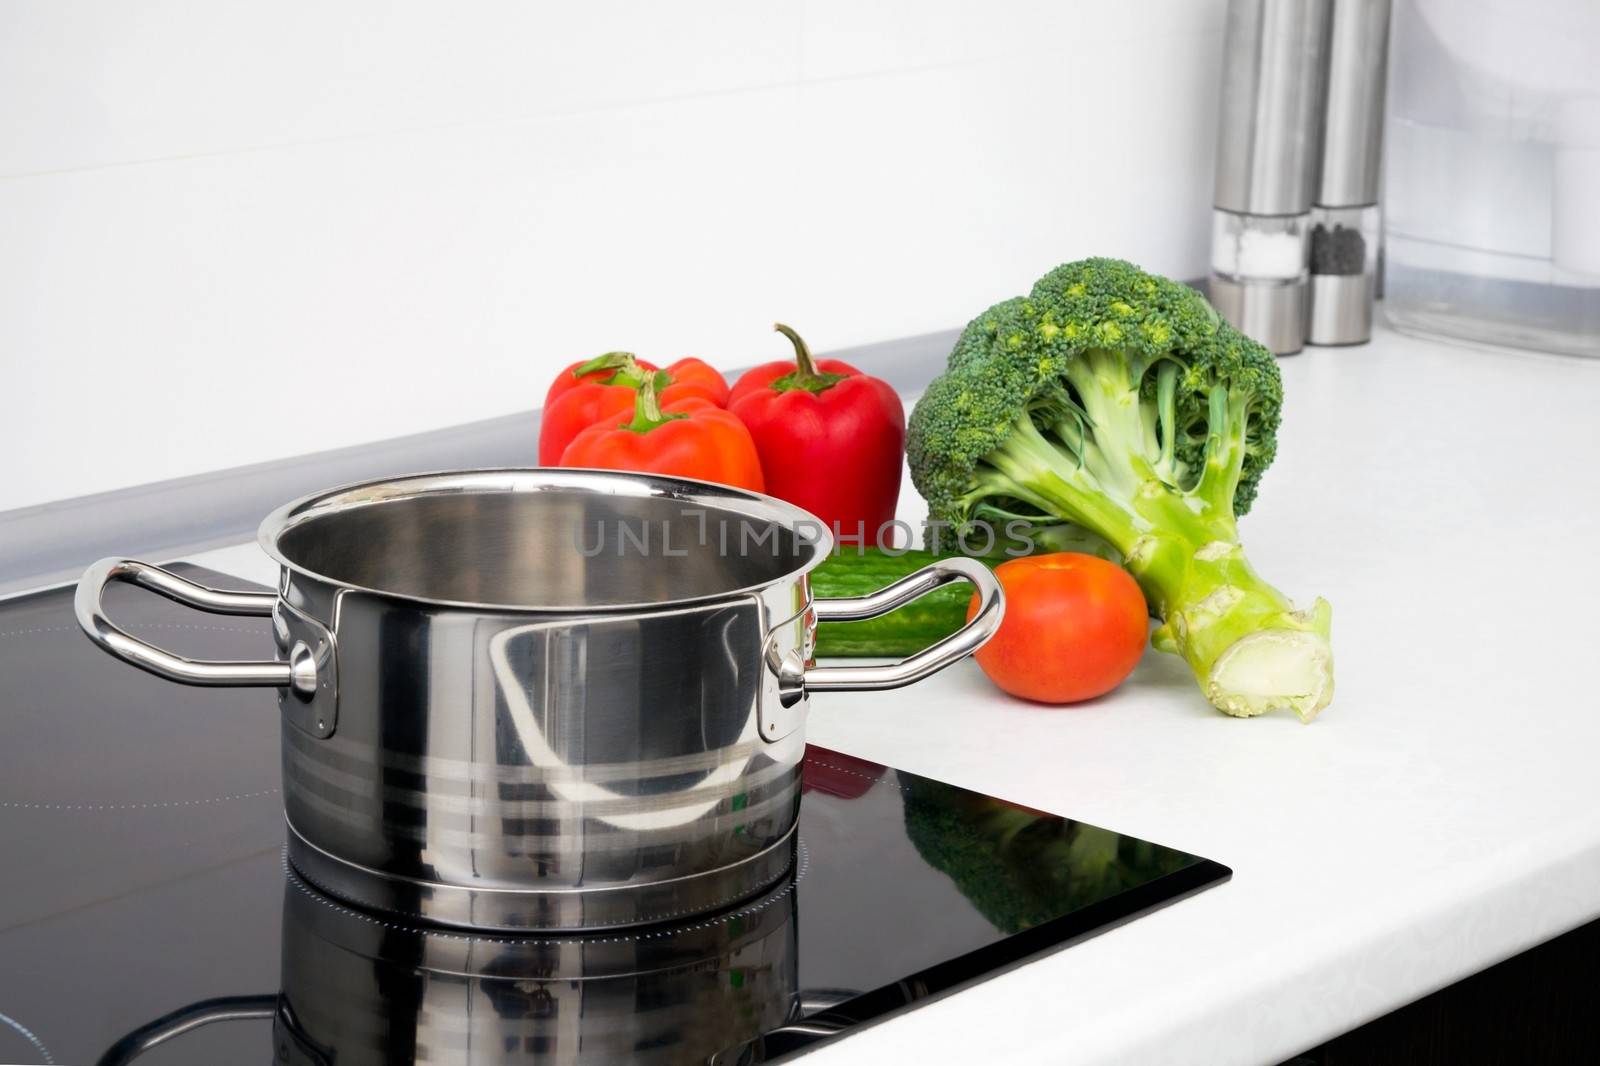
147 913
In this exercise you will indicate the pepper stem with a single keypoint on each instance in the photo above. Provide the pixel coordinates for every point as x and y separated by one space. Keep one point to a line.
806 375
802 351
626 365
647 413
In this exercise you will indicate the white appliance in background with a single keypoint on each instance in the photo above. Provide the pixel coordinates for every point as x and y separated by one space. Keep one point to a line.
1492 221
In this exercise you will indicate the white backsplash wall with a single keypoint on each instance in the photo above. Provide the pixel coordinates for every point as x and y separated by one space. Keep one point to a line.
234 232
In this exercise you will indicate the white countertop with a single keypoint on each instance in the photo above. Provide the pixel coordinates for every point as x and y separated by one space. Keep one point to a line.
1441 815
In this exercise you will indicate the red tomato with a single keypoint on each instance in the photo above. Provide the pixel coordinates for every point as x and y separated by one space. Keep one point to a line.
1075 626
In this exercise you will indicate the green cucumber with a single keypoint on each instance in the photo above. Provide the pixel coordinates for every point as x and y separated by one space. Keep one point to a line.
933 616
903 630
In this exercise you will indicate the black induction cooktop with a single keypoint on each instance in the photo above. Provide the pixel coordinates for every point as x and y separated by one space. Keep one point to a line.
147 912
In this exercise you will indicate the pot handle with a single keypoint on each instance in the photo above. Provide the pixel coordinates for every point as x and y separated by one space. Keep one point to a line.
186 1019
930 660
298 673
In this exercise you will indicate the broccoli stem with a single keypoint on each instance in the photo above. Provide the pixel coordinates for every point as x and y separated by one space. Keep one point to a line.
1031 468
1110 397
1228 422
1251 651
1166 409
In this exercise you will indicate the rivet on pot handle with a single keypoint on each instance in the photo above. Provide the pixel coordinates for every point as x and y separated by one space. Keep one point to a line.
795 679
298 674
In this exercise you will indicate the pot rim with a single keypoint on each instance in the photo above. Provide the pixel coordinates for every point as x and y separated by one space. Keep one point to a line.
515 479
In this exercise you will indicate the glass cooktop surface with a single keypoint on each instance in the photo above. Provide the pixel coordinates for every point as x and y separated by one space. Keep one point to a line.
147 912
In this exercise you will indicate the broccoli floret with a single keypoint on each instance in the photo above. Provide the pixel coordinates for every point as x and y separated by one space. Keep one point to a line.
1120 402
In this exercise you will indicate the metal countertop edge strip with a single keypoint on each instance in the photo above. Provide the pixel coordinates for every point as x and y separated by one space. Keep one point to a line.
50 544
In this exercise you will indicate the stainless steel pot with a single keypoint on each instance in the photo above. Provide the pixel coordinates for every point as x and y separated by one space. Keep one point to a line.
541 699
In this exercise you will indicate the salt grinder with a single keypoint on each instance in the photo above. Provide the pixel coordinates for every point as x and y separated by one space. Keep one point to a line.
1269 150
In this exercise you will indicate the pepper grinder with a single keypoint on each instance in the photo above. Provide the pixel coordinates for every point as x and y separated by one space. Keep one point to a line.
1269 147
1344 233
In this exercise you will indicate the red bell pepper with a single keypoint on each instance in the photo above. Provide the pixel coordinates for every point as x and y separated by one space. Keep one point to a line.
695 377
575 410
613 368
691 438
831 439
604 388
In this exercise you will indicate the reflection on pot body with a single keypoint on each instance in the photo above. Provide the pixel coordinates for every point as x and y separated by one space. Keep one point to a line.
358 991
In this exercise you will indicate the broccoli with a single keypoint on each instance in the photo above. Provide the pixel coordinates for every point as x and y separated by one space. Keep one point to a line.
1120 402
